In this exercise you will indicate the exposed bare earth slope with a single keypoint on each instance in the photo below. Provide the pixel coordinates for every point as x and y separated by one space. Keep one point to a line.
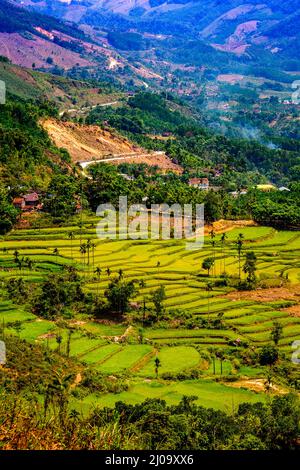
87 143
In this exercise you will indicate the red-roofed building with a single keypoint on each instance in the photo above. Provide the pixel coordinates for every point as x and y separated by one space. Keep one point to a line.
201 183
19 203
31 199
28 202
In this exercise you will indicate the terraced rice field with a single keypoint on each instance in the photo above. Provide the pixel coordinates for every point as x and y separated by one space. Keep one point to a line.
210 394
157 263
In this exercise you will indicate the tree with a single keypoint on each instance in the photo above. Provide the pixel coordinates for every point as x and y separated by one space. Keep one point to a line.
83 252
119 294
208 288
239 244
88 246
249 268
157 366
223 244
68 348
18 327
98 272
59 341
57 394
71 236
8 213
212 235
62 192
207 264
268 355
158 297
276 333
18 290
93 246
212 207
56 253
16 256
56 294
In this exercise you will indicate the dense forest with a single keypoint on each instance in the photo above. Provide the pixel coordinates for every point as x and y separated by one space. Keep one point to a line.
27 152
193 145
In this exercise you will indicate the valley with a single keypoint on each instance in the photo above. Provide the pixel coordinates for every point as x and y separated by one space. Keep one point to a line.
127 348
117 331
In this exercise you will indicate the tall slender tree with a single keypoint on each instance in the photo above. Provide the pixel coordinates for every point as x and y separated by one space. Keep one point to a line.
71 236
223 244
239 244
98 272
208 288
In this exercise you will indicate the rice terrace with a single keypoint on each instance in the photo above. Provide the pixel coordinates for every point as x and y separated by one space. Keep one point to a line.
217 318
149 230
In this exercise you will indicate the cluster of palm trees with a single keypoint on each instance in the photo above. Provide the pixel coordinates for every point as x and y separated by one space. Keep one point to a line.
23 262
239 246
209 263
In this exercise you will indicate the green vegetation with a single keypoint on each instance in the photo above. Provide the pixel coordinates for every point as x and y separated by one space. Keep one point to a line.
195 147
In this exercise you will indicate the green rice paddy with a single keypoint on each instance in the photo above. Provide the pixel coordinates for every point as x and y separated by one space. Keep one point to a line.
157 263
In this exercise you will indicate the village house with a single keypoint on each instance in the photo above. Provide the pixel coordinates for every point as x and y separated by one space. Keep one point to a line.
28 202
242 192
201 183
19 203
31 200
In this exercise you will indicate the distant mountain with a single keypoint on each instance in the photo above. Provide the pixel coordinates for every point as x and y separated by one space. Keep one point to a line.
31 39
233 26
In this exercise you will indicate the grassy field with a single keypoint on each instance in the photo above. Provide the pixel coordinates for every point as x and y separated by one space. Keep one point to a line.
158 263
210 394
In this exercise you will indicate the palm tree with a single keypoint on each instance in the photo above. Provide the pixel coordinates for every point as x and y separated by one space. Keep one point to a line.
30 264
98 272
208 289
57 394
157 365
212 235
142 285
56 253
88 246
83 251
93 253
71 237
16 256
59 341
239 243
158 266
68 349
80 225
223 243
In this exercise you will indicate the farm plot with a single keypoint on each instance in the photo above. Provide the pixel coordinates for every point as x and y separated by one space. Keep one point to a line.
157 263
172 359
125 358
209 394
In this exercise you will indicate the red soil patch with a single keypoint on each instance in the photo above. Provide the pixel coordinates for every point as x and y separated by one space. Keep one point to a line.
267 295
230 78
25 52
294 311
